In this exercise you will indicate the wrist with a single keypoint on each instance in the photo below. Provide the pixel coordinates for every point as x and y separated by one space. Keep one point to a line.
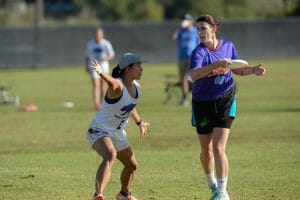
253 70
138 122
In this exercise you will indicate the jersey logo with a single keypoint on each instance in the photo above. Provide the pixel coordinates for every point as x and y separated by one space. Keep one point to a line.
127 109
219 80
204 122
97 50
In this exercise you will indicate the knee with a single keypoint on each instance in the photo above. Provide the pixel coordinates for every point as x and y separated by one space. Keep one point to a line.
110 157
207 154
132 167
219 150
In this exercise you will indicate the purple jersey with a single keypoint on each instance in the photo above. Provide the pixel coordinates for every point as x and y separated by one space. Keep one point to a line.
210 88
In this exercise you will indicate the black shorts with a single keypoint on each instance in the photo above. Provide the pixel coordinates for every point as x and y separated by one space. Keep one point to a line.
207 115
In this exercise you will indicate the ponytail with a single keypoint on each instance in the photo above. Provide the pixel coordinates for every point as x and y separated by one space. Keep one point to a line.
117 72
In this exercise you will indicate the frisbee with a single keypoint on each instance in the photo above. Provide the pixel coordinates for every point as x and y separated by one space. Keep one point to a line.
237 64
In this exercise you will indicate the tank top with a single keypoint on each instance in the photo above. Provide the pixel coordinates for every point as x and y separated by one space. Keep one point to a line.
115 113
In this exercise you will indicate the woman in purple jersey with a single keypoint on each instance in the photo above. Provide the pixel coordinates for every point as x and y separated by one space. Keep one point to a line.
214 101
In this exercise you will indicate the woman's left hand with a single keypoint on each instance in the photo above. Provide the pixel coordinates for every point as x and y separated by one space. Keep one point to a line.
143 128
259 70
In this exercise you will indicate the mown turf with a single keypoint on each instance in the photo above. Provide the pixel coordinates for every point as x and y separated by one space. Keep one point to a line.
45 155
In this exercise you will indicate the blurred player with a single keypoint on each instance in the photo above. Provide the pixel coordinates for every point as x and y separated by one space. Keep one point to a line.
106 132
214 101
101 50
187 40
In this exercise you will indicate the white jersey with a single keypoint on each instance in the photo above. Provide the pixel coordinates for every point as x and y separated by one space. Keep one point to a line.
114 114
99 51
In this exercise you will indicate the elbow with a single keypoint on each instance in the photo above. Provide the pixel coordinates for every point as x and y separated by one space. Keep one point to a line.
193 76
114 87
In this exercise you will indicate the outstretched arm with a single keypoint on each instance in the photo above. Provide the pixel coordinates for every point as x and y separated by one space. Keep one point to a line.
143 126
257 70
114 85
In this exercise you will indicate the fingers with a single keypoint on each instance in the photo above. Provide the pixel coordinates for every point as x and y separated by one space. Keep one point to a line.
96 66
261 69
143 129
94 63
225 62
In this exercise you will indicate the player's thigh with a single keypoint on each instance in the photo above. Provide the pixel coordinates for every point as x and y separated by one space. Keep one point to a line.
127 157
205 141
105 148
202 116
220 137
183 67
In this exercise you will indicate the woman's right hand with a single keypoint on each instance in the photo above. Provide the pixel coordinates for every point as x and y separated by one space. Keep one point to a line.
220 67
224 63
96 67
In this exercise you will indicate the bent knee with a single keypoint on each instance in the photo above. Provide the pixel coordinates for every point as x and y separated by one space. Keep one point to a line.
110 156
131 166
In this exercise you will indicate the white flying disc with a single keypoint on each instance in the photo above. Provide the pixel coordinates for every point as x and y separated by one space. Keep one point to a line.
67 104
237 64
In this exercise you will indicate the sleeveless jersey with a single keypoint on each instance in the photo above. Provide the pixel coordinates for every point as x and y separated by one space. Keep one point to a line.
115 113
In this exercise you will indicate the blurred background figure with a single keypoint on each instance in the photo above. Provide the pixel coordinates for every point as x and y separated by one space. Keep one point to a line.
187 39
101 50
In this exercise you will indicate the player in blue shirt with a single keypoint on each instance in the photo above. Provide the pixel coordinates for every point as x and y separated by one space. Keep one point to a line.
187 40
214 101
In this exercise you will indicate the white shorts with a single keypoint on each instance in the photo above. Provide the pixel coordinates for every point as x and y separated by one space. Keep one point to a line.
104 67
118 137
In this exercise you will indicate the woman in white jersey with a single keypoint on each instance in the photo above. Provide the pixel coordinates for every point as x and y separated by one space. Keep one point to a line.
106 132
99 49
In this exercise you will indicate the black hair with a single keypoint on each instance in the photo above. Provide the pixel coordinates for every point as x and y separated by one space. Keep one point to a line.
117 72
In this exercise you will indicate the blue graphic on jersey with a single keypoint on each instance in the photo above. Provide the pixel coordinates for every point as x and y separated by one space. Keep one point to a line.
127 108
219 80
98 50
98 53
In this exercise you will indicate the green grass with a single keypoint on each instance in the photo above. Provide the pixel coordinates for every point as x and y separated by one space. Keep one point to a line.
45 155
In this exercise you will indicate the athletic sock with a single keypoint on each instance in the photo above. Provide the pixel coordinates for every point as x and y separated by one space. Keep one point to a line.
211 179
222 184
125 194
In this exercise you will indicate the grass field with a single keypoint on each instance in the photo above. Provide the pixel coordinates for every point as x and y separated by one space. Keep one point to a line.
45 155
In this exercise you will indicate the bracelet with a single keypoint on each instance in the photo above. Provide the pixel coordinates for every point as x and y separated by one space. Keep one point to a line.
139 122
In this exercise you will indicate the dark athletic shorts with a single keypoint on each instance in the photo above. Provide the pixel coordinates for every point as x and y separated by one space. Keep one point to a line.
220 113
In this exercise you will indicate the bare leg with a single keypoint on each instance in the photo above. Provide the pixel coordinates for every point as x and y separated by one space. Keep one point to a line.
127 157
206 155
96 91
220 137
103 88
184 85
104 147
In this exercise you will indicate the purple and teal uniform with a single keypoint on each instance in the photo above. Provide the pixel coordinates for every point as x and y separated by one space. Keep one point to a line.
213 91
210 88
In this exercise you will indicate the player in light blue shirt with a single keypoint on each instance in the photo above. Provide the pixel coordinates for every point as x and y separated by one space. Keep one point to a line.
187 39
